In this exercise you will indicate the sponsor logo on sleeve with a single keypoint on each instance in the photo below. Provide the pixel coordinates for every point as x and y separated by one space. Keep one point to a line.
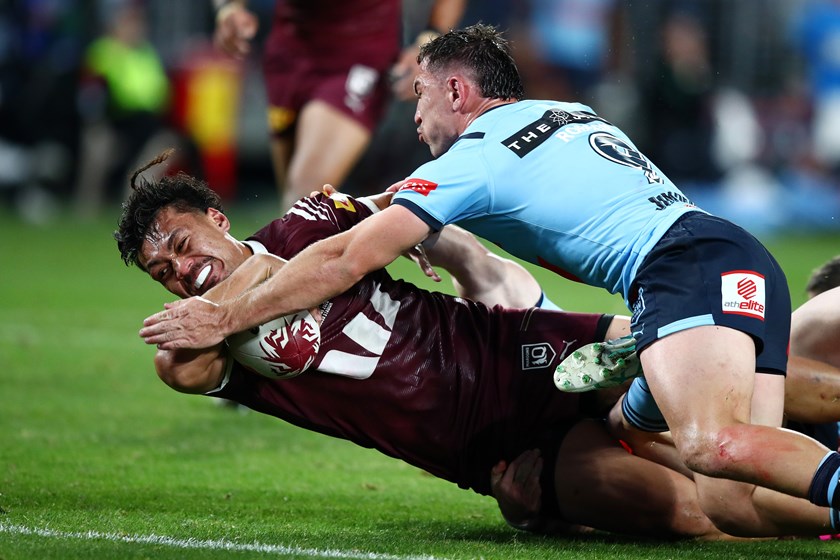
421 186
742 293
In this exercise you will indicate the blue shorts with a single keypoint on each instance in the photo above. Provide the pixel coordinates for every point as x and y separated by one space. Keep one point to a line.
708 271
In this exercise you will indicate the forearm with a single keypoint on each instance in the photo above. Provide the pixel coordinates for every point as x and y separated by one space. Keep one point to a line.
812 391
326 269
191 371
253 272
480 275
322 271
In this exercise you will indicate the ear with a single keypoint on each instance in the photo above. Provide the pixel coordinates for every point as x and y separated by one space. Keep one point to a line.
455 92
219 219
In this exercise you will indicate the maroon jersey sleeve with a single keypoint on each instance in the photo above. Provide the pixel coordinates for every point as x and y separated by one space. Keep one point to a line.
309 220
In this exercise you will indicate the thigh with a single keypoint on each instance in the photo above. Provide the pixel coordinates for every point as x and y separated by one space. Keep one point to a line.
599 484
702 379
327 145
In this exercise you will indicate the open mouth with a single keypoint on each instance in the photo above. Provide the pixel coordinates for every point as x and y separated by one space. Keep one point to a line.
203 274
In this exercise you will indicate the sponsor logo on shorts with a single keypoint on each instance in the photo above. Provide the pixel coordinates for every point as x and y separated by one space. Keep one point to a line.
421 186
742 293
359 85
538 356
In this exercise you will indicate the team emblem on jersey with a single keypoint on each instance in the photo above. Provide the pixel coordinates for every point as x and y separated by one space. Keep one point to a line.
742 293
618 151
421 186
537 356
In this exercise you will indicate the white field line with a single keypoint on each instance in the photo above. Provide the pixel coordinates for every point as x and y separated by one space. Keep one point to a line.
206 544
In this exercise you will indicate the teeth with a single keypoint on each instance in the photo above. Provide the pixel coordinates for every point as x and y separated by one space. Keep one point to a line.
202 276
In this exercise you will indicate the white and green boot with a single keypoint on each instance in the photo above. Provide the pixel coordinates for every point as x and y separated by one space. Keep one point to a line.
599 365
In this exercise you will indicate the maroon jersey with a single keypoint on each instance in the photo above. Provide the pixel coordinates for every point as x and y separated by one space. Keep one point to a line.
337 51
445 384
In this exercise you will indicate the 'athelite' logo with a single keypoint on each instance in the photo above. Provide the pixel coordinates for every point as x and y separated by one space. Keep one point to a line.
421 186
742 293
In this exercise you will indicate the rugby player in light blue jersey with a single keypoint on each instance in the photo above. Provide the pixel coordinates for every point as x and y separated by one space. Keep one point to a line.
558 186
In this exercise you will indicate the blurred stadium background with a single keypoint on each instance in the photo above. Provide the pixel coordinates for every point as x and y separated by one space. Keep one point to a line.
736 101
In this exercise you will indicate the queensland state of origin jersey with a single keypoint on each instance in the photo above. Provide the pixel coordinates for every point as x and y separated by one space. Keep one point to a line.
448 385
553 184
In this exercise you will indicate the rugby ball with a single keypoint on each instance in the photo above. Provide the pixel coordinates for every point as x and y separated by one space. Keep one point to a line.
280 349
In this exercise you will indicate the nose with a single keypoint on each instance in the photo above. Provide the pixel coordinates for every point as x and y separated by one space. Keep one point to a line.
181 267
417 118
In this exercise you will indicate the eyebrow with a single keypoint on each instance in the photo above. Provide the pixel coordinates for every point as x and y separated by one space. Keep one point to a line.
170 241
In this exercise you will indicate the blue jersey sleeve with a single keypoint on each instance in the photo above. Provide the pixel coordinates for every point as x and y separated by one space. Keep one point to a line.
452 188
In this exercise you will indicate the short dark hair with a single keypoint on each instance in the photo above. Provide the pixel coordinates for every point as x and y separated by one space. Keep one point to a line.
825 277
482 49
181 191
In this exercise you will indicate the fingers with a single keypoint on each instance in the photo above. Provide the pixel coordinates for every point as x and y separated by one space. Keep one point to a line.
424 263
189 323
396 186
326 190
235 28
497 472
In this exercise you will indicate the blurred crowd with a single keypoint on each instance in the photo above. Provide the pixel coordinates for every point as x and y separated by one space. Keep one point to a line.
738 102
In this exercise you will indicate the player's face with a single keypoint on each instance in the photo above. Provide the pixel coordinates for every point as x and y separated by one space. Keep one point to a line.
435 118
190 252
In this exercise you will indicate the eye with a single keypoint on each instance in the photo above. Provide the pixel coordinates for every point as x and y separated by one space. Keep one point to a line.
161 273
182 244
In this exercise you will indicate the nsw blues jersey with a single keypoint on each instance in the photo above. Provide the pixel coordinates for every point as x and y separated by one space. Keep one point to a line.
555 185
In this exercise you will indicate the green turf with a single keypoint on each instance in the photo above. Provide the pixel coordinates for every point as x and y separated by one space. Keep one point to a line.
98 459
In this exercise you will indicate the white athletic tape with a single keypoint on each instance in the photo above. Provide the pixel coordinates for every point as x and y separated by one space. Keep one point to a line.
206 544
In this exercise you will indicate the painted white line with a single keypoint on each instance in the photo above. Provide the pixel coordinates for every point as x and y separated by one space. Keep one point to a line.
207 544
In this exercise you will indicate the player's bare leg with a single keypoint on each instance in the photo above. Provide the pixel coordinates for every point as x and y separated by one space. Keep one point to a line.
633 495
327 144
703 380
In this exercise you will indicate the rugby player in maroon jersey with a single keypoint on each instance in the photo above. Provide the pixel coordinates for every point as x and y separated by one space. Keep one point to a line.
457 388
327 66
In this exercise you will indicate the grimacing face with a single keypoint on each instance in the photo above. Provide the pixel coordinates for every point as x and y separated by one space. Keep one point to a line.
437 122
190 252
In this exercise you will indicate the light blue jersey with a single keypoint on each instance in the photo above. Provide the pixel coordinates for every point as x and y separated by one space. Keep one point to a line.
555 185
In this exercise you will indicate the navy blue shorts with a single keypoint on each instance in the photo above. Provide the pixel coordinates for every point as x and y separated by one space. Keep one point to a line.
708 271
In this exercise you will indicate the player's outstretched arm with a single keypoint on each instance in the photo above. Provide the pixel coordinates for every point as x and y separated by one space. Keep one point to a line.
479 274
321 271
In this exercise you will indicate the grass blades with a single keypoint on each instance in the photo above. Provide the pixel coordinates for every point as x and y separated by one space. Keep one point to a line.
98 459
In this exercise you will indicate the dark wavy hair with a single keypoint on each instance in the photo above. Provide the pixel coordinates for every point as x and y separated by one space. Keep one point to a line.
483 50
181 191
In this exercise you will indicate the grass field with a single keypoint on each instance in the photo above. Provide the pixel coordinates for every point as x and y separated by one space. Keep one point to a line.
98 459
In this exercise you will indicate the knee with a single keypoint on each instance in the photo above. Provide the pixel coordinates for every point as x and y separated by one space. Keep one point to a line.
709 451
